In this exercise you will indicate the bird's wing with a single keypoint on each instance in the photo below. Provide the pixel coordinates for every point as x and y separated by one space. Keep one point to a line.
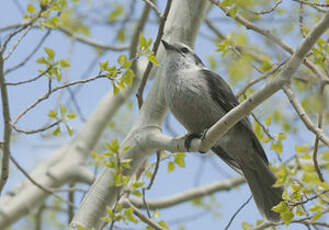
222 94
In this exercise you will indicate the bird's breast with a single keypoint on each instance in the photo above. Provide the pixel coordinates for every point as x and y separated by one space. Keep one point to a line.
190 102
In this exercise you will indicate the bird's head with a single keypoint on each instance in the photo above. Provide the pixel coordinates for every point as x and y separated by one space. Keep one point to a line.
181 55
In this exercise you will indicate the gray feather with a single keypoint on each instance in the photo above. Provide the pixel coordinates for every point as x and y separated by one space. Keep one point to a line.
198 98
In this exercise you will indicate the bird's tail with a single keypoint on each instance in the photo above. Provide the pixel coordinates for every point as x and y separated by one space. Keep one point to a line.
260 179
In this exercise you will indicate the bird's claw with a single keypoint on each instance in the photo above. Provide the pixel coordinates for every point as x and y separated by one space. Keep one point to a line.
191 136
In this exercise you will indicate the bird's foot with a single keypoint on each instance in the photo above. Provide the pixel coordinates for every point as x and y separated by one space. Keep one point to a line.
191 136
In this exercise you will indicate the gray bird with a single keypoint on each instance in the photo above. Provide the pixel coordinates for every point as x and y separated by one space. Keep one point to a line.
198 98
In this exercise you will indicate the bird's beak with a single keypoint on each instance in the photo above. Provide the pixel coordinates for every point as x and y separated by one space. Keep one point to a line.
167 45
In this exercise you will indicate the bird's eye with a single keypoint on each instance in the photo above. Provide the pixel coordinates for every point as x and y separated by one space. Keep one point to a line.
184 50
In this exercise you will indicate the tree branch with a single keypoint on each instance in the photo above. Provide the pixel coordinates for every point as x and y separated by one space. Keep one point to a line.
6 128
155 50
144 218
302 114
189 195
240 111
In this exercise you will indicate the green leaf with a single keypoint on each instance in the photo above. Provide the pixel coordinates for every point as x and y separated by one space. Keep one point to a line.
277 147
325 156
316 216
62 110
179 159
57 131
128 213
30 8
268 120
50 53
71 116
281 136
301 148
246 226
118 10
142 41
103 66
300 211
138 184
80 227
42 60
64 63
287 216
126 148
153 60
69 129
281 207
171 166
122 60
121 35
128 77
116 90
52 114
163 224
156 214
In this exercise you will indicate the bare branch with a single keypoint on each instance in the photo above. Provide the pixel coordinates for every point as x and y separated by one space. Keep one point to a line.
144 218
43 188
260 78
155 50
20 27
6 127
34 131
30 80
320 121
266 33
237 212
17 42
240 111
302 114
267 11
189 195
30 55
50 91
90 42
312 3
154 7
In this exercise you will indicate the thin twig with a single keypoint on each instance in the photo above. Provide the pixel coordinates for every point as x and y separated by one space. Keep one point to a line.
43 188
145 203
312 3
267 33
316 143
302 114
69 189
263 76
267 11
34 131
154 7
301 20
144 218
70 210
157 163
237 212
30 80
262 126
10 52
90 42
155 49
30 55
50 91
6 127
309 199
20 27
38 217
